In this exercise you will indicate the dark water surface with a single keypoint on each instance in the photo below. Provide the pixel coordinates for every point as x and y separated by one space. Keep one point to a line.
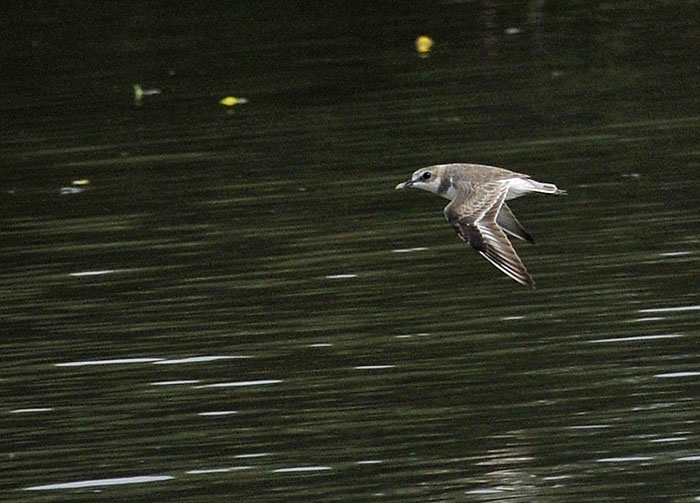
239 305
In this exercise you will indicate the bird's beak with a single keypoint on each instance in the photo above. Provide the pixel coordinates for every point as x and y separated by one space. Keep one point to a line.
404 185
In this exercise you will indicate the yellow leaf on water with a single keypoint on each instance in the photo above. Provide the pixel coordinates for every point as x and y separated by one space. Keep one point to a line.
229 101
424 44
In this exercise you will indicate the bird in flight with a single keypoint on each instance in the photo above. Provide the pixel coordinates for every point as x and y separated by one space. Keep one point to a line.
478 211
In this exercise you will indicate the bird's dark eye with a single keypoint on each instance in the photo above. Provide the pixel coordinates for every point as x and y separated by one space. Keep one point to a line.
426 175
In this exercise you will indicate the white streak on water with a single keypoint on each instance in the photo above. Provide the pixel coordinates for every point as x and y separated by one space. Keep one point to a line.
636 338
101 482
374 367
409 250
628 459
408 336
91 273
670 309
198 359
302 469
485 491
36 409
108 362
218 413
678 374
341 276
173 383
240 383
218 470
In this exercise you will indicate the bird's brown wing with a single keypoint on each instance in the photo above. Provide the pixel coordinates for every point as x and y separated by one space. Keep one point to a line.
473 215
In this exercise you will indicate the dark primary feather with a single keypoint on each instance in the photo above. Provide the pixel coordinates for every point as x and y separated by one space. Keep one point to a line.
474 217
510 224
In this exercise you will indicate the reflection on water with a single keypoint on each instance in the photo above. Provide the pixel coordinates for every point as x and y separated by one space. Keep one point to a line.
238 303
101 482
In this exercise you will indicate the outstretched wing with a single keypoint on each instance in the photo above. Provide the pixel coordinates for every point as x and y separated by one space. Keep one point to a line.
473 215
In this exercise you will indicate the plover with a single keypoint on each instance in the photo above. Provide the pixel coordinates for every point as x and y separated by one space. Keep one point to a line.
477 209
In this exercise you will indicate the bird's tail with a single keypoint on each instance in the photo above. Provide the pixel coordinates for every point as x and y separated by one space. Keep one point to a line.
547 188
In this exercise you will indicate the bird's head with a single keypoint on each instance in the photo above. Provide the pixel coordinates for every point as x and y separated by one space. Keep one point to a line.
430 179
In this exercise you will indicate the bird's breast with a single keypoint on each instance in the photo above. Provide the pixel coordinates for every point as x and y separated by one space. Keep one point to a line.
448 191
